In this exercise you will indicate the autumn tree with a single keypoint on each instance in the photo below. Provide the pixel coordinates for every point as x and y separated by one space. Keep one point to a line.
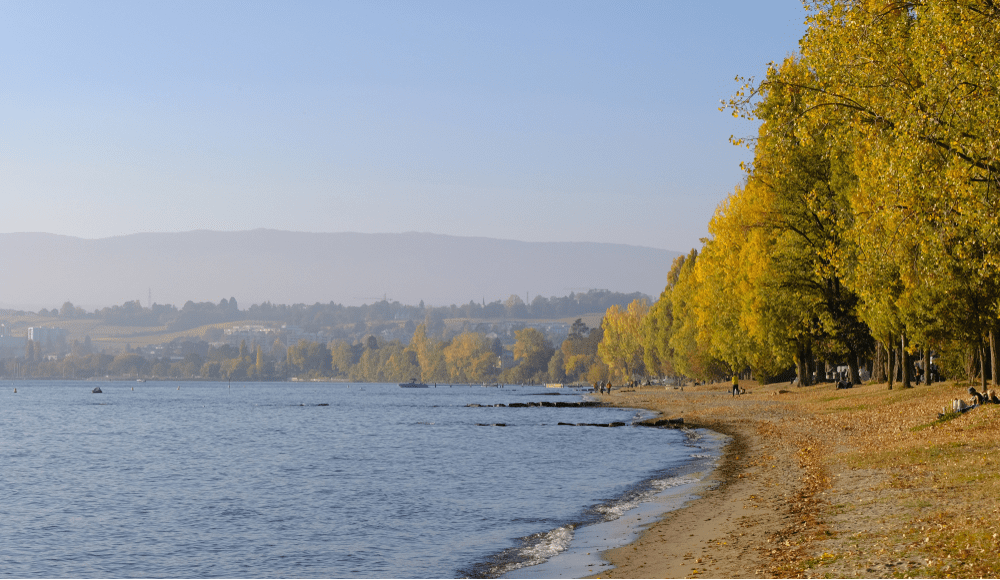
533 351
430 356
470 359
311 358
692 357
580 352
621 347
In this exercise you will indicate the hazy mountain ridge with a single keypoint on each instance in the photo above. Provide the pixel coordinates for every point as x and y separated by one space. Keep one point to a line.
40 270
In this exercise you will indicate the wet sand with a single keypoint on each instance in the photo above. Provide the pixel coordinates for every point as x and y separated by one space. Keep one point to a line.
761 493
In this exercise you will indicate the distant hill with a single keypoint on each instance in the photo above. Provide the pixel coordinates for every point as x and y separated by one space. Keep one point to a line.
40 270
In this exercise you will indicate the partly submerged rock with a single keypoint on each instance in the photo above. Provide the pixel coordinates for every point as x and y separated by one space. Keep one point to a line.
676 422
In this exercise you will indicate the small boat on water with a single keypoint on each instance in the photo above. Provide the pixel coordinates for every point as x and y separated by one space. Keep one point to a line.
413 384
97 390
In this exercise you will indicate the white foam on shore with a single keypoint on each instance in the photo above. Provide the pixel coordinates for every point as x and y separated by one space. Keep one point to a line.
623 521
558 541
551 543
615 510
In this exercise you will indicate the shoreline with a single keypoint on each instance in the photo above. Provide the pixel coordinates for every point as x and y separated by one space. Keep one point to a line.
583 553
823 482
729 530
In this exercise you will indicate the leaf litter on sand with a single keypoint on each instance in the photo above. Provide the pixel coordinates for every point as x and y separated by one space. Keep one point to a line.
885 489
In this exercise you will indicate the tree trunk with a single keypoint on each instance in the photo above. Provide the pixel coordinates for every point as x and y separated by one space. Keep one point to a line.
878 366
982 367
809 366
800 365
904 362
993 356
891 372
852 363
927 366
970 366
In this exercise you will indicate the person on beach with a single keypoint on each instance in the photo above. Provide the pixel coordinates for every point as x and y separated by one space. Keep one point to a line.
736 384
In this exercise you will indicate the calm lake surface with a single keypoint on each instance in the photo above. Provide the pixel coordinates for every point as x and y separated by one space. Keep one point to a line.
258 480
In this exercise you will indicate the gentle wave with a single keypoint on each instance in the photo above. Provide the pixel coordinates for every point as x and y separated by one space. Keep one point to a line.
539 548
261 481
614 510
549 544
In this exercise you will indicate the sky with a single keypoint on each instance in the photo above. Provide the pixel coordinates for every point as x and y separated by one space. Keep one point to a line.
533 121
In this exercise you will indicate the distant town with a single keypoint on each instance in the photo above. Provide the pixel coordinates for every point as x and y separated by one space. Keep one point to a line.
546 339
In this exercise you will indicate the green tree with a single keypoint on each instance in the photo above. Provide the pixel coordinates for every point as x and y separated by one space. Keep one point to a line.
533 351
514 307
260 368
557 367
129 364
310 358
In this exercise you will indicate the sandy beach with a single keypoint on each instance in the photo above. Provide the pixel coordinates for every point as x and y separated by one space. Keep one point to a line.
807 488
723 533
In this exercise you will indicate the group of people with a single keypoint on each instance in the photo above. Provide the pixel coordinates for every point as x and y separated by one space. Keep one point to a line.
601 386
985 398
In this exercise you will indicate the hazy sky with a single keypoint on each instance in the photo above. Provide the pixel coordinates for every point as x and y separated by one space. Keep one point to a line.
536 121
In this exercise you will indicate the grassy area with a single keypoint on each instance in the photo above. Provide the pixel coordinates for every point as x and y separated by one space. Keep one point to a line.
117 337
109 337
928 506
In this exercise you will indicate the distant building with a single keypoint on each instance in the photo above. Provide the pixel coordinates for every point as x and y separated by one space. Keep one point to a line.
249 330
48 337
11 346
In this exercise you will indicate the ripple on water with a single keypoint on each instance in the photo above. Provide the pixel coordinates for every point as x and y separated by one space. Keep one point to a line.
210 481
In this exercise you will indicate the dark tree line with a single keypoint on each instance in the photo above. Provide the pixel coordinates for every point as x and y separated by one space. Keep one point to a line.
313 317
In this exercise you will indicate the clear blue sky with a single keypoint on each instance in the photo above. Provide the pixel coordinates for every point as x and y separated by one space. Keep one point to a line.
536 121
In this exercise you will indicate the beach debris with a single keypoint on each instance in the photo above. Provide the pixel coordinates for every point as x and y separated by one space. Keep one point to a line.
560 404
675 422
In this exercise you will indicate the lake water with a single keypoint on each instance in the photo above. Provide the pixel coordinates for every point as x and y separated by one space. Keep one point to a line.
165 479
